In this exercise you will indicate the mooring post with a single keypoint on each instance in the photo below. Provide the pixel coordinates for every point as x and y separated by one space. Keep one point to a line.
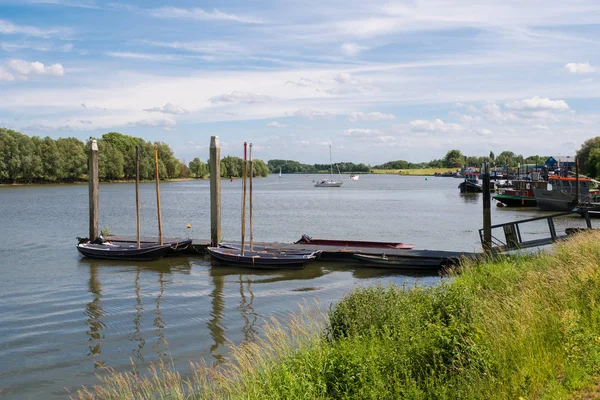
487 216
215 191
93 188
577 199
160 237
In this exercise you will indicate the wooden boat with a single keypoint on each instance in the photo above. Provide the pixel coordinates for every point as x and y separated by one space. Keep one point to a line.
402 262
471 183
418 261
272 250
305 239
260 259
521 194
124 251
176 246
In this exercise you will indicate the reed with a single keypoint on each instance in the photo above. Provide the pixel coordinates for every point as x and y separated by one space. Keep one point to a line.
515 327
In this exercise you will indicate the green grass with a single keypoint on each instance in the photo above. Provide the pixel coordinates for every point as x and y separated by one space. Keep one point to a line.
524 327
413 172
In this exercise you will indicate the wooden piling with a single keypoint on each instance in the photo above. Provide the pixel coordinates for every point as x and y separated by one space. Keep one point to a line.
251 173
487 216
137 192
160 238
215 191
93 188
244 172
577 182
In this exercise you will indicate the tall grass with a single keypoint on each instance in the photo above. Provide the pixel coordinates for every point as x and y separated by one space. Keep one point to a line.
525 327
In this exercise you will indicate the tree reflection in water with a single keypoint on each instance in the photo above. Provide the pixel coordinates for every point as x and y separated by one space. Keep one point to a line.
161 343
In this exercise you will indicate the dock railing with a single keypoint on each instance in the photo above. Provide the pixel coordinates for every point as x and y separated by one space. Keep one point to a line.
512 231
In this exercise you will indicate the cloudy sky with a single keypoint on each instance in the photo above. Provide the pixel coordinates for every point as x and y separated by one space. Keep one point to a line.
379 80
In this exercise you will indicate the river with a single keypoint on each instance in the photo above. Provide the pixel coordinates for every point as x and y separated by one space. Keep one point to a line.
64 318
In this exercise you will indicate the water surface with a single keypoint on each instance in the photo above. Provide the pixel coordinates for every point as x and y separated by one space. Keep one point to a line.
63 318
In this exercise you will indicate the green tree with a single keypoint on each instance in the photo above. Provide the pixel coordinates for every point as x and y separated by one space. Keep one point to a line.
583 154
231 166
73 158
492 157
198 168
593 162
454 158
260 168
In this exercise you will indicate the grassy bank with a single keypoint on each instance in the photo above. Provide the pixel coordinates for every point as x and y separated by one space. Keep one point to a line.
526 327
414 172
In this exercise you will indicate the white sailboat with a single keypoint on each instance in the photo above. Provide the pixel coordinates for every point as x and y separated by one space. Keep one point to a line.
329 182
280 172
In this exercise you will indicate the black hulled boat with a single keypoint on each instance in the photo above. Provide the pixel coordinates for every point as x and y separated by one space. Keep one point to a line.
261 259
124 251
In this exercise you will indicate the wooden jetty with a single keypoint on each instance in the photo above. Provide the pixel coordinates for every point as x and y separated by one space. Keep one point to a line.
331 253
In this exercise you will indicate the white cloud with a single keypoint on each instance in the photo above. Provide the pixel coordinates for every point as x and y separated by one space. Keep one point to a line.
352 49
343 78
239 97
206 47
384 139
493 112
311 114
9 28
470 118
168 109
484 132
275 124
356 132
540 127
6 76
142 56
538 103
373 116
155 122
200 15
580 68
24 68
436 125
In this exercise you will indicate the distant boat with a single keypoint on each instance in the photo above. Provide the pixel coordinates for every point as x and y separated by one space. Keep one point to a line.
471 183
521 194
280 172
329 182
562 195
354 177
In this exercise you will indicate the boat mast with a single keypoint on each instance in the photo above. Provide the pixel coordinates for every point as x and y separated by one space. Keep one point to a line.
251 173
137 192
330 163
160 238
244 198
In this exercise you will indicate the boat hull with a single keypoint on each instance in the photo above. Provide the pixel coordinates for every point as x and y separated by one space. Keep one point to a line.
470 187
128 252
328 184
516 201
263 260
553 200
353 243
176 246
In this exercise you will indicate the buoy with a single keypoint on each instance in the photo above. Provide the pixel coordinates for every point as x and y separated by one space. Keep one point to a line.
426 178
231 180
500 204
189 226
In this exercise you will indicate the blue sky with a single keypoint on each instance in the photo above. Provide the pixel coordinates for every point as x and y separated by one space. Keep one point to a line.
378 80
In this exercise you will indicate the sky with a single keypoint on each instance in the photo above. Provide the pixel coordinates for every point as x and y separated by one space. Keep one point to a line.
376 80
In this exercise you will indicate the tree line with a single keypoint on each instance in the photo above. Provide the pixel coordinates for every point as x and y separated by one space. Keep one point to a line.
25 159
291 167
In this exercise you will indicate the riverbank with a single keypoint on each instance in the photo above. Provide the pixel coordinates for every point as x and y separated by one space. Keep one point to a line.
414 172
523 327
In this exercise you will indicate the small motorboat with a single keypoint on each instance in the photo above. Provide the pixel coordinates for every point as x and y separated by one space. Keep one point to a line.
260 259
124 251
305 239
